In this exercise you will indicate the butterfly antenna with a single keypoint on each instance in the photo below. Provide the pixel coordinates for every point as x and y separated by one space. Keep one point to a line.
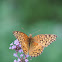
23 29
36 31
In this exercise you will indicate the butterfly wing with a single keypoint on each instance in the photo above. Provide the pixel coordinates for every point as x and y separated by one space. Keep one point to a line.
45 39
35 49
23 39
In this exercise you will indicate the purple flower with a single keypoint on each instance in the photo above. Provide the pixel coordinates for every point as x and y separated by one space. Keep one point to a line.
20 50
15 60
26 60
19 60
21 55
16 42
17 47
13 47
10 47
11 43
27 55
15 54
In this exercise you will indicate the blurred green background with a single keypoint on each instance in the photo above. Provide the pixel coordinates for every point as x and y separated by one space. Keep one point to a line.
32 15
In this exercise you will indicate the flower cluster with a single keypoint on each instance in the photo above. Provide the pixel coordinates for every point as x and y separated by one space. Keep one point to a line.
17 47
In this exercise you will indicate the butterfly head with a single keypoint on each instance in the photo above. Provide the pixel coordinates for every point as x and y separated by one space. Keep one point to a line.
30 35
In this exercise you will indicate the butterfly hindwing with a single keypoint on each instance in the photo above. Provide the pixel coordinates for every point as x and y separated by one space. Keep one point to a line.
35 49
45 39
23 39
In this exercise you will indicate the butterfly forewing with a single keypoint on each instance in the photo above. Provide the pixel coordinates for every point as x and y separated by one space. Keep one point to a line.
45 40
23 39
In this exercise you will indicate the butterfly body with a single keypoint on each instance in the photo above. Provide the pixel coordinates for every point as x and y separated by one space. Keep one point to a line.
34 45
30 40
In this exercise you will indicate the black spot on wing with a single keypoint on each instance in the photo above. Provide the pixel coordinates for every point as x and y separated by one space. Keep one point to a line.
49 35
46 36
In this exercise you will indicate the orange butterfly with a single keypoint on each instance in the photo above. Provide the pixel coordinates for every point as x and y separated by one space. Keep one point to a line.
34 46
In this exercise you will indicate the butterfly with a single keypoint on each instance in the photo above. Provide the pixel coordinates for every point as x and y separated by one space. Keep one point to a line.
34 46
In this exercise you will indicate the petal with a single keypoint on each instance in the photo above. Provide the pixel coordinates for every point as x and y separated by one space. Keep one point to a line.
15 60
16 42
10 47
11 43
20 50
26 60
15 54
21 55
19 45
19 60
13 47
27 55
